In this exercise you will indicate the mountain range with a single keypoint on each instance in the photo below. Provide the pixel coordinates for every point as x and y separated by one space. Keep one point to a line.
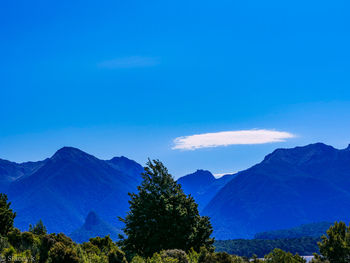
63 189
288 188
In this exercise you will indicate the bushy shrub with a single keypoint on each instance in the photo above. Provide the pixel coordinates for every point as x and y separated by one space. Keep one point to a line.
60 253
3 243
278 256
47 243
116 256
105 244
9 253
157 258
318 259
178 254
15 237
192 256
138 259
206 256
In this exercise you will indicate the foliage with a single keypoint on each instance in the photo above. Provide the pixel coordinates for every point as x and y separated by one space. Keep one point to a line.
319 259
278 256
116 256
104 244
335 247
206 256
38 246
261 247
60 253
4 243
38 229
103 250
6 215
157 258
177 254
138 259
162 217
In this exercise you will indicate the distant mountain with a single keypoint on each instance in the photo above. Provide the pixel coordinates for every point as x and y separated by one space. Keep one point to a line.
306 230
11 171
94 226
203 186
69 185
288 188
126 166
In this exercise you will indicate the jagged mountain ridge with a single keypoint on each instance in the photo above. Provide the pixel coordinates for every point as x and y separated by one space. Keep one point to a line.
288 188
11 171
69 185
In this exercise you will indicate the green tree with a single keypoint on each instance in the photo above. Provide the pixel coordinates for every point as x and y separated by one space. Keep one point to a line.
278 256
335 247
162 217
38 229
7 216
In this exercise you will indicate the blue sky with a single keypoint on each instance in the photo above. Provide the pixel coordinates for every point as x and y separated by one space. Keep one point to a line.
129 77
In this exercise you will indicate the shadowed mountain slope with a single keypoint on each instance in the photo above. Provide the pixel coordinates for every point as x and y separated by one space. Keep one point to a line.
288 188
203 186
11 171
69 185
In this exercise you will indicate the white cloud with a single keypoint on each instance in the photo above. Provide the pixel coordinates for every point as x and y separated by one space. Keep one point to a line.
129 62
219 175
226 138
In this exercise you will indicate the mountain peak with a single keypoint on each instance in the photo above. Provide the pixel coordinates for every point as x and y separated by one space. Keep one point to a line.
92 219
68 149
69 153
204 173
199 175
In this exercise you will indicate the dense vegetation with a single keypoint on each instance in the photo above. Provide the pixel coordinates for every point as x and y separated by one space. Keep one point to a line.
306 230
160 205
260 247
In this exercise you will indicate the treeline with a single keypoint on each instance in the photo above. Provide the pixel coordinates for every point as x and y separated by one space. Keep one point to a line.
307 230
162 226
38 246
260 247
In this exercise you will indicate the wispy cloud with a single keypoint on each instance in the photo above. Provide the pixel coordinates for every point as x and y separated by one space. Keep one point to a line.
129 62
226 138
